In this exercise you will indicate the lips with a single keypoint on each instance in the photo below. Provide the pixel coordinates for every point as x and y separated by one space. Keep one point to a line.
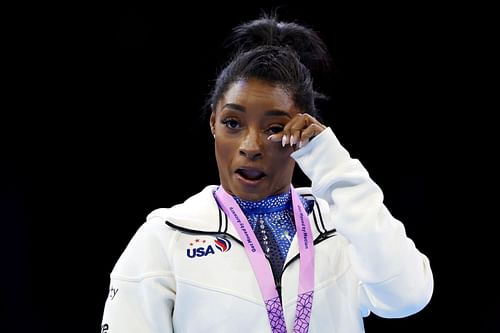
250 174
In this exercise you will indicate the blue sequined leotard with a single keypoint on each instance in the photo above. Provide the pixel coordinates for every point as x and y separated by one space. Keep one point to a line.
272 221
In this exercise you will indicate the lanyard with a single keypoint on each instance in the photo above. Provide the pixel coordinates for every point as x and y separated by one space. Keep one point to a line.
262 269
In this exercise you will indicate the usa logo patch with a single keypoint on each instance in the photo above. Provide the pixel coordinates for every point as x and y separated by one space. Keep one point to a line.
202 248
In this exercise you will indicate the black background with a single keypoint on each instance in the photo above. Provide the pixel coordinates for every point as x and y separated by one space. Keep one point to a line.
105 125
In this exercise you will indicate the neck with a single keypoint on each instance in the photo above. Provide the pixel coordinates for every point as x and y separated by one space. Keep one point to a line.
269 204
254 196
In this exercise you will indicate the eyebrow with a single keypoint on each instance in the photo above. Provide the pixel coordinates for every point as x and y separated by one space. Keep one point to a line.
273 112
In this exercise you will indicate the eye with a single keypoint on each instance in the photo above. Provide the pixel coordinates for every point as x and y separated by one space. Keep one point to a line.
231 123
275 129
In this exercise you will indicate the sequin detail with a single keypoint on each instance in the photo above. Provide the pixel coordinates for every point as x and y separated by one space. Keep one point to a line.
272 222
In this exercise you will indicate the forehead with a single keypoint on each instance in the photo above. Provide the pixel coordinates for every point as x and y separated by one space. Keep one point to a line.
254 93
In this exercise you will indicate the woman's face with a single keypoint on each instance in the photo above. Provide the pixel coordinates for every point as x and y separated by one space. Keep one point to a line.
251 166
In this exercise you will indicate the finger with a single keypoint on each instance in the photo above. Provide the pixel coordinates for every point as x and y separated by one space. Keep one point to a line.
275 137
303 142
297 122
295 134
291 131
310 132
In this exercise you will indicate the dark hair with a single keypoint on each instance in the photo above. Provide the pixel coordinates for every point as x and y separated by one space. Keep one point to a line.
281 53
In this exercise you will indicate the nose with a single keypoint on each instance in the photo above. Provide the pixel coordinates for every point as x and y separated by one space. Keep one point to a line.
251 145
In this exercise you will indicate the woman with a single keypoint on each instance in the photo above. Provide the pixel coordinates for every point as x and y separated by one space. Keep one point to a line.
254 254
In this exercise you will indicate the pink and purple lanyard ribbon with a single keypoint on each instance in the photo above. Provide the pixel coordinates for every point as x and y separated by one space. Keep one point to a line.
262 269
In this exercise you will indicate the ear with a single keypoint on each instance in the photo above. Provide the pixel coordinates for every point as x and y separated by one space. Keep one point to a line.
212 123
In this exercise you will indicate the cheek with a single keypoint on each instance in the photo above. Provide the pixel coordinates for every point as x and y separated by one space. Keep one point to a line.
279 153
281 160
224 151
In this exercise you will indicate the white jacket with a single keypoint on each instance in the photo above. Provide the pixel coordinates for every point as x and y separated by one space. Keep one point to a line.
173 277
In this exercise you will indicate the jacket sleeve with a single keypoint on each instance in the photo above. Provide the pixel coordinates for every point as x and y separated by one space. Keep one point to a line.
395 278
142 288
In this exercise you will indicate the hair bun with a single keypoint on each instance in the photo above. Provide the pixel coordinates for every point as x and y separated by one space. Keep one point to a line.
268 31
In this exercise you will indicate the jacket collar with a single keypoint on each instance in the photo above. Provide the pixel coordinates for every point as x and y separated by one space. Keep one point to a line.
201 214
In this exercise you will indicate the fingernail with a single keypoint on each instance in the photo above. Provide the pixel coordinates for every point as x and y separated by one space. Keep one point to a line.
292 140
300 144
283 141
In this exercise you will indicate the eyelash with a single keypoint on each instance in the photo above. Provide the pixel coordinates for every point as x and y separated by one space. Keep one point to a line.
275 129
229 122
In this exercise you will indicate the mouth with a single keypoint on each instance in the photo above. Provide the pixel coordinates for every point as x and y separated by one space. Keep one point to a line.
250 175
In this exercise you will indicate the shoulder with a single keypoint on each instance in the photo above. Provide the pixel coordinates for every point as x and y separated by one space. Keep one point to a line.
198 213
148 250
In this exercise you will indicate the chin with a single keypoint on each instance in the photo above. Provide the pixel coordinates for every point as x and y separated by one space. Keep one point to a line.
248 194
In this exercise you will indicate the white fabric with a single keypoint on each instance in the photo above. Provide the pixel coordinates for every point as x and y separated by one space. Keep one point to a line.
161 284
